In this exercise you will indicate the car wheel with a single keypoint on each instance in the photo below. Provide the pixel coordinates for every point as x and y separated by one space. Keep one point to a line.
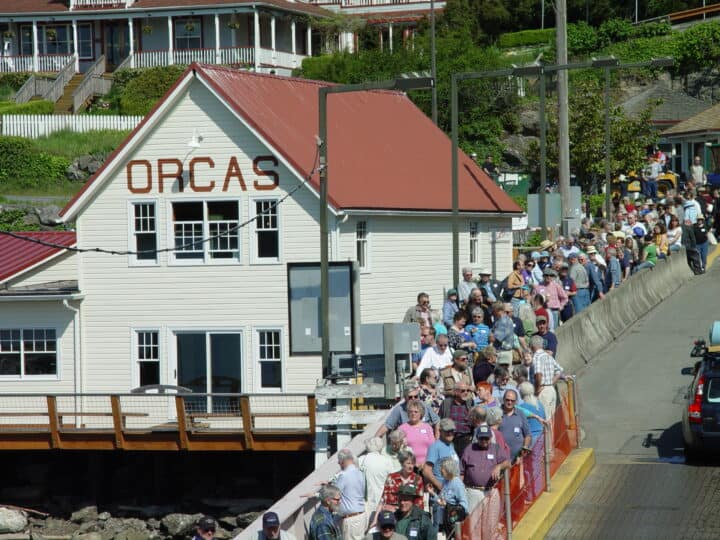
692 455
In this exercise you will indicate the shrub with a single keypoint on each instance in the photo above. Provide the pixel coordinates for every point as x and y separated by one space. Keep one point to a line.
14 220
652 29
526 37
143 91
614 30
596 203
31 107
582 39
20 161
698 47
14 80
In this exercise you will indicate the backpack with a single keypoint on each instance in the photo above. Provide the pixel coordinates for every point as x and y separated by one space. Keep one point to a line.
506 293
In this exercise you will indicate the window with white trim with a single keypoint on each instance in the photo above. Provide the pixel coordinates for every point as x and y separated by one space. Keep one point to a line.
361 245
194 221
145 231
28 352
269 357
474 242
267 230
85 41
188 33
148 357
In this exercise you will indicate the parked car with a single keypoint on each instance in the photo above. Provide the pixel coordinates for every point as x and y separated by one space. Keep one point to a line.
701 414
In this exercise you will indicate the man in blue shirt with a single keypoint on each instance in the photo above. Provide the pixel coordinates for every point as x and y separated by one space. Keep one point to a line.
351 483
514 426
439 450
504 334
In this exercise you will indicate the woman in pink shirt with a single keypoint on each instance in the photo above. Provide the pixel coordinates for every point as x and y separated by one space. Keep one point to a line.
419 434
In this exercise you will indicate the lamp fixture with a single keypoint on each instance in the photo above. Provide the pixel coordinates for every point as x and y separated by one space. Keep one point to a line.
195 140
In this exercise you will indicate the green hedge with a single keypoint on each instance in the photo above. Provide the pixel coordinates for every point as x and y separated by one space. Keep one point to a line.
21 162
31 107
142 91
13 80
526 37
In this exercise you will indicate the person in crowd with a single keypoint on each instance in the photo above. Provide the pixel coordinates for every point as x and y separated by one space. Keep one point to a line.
691 208
478 330
420 313
494 418
386 524
550 341
458 337
661 241
466 285
452 504
595 287
701 240
546 372
613 275
399 415
533 272
420 435
271 528
490 168
518 325
503 333
322 523
579 275
539 303
568 247
475 301
351 483
457 407
533 409
458 372
485 364
649 256
514 426
491 287
412 521
697 172
484 395
570 289
205 528
481 466
520 374
405 476
513 292
375 466
436 357
397 442
691 252
427 340
429 394
440 449
527 316
450 307
551 289
502 382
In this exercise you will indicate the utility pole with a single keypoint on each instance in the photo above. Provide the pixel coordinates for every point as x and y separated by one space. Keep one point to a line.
563 122
433 68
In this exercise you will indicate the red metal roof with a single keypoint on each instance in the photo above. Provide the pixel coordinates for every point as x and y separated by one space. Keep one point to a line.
17 255
383 152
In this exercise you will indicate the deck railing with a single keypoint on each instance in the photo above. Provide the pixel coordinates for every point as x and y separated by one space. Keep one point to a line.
123 417
93 4
161 57
39 125
93 84
56 89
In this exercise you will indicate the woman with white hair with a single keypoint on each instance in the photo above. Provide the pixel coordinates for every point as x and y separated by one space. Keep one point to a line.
532 409
452 494
376 467
397 442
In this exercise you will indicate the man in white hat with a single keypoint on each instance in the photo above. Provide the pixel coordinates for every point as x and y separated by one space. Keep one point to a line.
489 285
466 285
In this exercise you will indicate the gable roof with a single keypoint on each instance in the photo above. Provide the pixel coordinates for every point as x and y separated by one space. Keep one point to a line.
708 120
17 255
383 152
676 105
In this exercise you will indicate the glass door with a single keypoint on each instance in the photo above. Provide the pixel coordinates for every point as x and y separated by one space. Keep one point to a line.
116 44
210 363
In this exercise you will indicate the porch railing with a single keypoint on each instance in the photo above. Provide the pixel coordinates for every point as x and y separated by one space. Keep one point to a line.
228 55
16 64
47 63
93 84
56 89
89 4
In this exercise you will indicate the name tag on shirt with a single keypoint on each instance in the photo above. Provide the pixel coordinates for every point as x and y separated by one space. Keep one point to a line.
413 534
424 431
516 430
491 456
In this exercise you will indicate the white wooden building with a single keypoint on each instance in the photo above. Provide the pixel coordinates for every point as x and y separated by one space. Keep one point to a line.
222 146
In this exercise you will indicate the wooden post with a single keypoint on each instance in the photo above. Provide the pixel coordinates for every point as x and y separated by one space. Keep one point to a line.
117 422
312 406
182 422
55 441
247 422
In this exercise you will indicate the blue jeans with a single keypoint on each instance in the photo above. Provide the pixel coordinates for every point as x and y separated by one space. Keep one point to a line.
581 300
703 250
645 264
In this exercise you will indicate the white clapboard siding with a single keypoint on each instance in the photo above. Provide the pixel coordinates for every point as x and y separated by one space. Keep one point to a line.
39 125
62 267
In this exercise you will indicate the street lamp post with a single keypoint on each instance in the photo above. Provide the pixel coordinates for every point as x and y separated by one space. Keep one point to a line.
394 84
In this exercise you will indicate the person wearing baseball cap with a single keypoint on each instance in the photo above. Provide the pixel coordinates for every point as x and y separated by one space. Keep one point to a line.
271 528
386 524
205 528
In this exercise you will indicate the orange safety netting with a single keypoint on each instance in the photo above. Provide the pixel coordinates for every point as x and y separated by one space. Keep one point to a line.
526 477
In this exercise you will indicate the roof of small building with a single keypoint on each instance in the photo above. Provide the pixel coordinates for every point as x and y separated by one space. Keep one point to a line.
707 120
383 152
18 255
53 6
676 105
54 288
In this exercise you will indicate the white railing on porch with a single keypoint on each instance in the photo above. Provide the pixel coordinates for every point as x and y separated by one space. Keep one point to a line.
47 63
93 84
15 64
39 125
228 55
101 3
52 63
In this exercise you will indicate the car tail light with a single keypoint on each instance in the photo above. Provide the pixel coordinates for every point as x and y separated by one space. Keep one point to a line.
695 408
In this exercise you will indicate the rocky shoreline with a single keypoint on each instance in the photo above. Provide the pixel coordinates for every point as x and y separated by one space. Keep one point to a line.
127 522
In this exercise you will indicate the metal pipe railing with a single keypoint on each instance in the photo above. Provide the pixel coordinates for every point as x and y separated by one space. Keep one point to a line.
508 504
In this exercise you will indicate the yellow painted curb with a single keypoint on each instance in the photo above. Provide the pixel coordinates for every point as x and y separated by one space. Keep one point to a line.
713 255
542 515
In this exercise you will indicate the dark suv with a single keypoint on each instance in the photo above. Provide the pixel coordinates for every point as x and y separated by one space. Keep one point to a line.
701 416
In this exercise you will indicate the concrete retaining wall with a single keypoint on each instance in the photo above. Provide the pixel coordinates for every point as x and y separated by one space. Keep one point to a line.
588 333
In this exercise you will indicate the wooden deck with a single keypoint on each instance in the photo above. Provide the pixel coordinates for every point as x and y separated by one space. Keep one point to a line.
229 422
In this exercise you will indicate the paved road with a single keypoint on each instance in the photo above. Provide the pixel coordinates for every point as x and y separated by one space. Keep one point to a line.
631 405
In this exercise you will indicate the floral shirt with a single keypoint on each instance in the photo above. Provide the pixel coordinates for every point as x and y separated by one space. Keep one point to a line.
392 486
431 400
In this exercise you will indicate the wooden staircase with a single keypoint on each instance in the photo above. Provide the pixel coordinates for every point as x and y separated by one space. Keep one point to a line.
65 103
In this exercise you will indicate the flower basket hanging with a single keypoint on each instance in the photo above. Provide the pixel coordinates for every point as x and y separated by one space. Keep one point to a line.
147 29
51 34
234 25
189 27
8 34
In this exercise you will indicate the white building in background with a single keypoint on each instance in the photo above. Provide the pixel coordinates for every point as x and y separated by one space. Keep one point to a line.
227 149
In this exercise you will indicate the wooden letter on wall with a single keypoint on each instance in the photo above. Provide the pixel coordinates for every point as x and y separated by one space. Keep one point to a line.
195 187
233 170
148 176
262 172
176 175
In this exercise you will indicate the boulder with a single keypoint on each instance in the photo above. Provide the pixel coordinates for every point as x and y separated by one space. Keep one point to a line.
58 527
104 516
516 149
180 524
12 521
89 513
530 122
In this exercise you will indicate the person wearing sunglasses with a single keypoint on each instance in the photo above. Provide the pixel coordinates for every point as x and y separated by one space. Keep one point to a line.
514 426
322 523
399 414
